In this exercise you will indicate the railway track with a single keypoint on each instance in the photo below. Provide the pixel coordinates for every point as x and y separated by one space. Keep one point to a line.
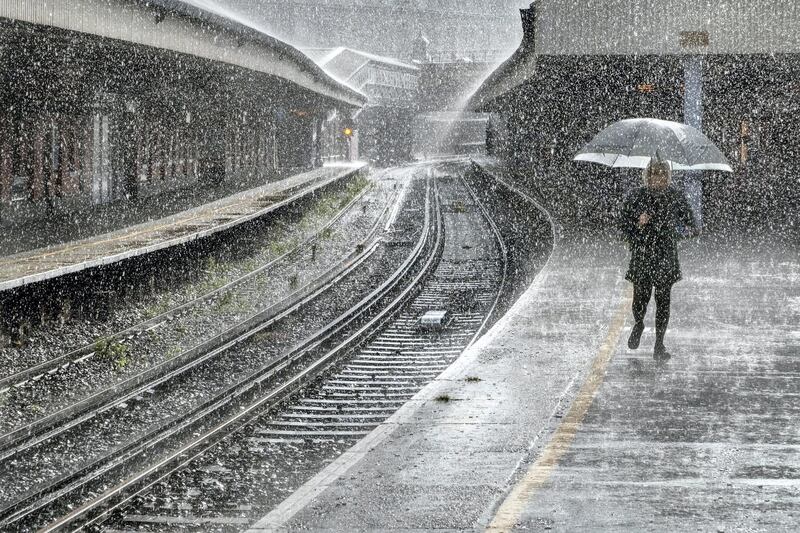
57 373
231 484
230 400
84 353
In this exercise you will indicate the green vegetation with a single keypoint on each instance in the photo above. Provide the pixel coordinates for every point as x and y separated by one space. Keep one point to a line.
109 348
230 302
225 300
326 234
211 265
327 206
250 264
172 352
215 275
278 248
7 396
321 210
156 308
113 352
472 379
444 398
265 335
284 238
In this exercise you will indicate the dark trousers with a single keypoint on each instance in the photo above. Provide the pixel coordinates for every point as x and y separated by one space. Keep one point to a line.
641 297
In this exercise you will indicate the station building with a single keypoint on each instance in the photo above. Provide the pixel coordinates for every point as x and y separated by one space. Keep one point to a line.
110 101
731 68
382 129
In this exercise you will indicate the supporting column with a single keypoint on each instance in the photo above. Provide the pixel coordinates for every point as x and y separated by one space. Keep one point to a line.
37 181
126 150
352 146
693 116
318 141
6 163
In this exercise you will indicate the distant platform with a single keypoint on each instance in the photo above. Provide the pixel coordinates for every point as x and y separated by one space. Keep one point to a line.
58 260
561 427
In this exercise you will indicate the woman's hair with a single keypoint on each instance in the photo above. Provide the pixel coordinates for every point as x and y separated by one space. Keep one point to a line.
656 166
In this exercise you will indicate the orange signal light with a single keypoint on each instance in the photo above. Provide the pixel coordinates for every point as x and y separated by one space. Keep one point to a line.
348 132
646 87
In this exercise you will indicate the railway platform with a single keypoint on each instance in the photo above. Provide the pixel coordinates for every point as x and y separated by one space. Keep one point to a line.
66 258
549 422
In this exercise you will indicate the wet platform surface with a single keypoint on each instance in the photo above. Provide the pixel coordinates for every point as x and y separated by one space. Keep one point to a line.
709 440
46 263
569 430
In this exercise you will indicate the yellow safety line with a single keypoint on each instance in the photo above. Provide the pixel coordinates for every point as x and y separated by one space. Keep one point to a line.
512 508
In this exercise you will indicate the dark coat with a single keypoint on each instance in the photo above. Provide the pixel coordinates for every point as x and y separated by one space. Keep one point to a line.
654 246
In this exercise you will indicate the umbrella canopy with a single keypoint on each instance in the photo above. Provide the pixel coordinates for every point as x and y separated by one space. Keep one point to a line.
631 143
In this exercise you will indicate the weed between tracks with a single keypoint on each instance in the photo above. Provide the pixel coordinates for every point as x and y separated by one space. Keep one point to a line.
159 307
112 351
264 336
7 396
215 273
278 248
326 234
328 206
231 302
172 352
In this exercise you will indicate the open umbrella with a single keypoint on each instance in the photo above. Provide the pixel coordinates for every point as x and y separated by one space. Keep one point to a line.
633 142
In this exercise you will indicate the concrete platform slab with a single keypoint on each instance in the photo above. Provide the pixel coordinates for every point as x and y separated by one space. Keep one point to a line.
54 261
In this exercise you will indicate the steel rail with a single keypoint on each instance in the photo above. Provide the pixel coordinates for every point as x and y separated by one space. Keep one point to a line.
71 416
252 386
503 255
73 480
498 252
22 438
85 352
78 520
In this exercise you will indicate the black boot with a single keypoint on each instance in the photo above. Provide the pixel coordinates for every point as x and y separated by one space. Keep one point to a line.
660 353
636 335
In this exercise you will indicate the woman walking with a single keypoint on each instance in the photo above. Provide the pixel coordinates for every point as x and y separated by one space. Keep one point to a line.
650 220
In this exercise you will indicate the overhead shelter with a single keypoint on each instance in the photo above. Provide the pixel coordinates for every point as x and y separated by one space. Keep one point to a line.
382 131
384 80
112 100
642 28
194 27
727 67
